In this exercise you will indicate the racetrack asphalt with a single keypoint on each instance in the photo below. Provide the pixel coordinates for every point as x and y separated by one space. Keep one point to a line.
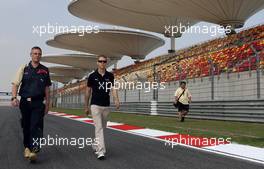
124 150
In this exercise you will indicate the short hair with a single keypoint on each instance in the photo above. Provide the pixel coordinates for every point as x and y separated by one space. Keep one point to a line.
99 56
36 47
182 82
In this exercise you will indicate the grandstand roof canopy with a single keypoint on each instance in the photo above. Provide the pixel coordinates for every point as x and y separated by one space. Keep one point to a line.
112 43
83 61
68 71
61 78
105 12
146 14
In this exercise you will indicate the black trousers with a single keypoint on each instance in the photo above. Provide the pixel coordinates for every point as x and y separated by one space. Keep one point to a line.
32 122
183 107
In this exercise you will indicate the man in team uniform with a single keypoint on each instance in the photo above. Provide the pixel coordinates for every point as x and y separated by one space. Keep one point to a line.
33 80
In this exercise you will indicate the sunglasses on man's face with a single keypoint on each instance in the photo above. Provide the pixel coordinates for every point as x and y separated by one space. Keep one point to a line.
102 61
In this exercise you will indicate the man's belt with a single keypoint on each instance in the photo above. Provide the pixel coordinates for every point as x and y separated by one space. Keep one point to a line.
30 99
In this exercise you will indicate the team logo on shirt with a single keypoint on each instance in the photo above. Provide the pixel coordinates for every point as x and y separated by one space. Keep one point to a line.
42 71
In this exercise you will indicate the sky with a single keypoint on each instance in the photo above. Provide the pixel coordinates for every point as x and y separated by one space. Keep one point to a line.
18 18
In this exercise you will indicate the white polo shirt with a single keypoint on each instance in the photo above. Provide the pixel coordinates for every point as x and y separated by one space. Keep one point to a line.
185 97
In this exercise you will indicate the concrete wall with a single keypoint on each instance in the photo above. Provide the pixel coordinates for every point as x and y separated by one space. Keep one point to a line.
235 86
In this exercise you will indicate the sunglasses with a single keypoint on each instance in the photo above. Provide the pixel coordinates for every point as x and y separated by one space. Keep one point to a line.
102 61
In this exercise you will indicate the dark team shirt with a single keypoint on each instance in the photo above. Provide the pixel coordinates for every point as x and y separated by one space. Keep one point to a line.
34 81
98 83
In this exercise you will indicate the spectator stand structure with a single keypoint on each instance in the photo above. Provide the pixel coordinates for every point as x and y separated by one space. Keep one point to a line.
224 75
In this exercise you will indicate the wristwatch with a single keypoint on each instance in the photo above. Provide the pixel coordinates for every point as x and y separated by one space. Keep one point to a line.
13 98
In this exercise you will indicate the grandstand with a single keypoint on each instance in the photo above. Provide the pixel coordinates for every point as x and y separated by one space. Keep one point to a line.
229 54
225 76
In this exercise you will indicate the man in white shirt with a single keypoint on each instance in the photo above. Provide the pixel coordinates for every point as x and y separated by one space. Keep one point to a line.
183 97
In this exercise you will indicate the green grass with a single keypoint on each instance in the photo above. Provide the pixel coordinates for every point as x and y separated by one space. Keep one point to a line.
240 132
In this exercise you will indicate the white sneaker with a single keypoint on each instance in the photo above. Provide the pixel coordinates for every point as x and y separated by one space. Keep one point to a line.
100 156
